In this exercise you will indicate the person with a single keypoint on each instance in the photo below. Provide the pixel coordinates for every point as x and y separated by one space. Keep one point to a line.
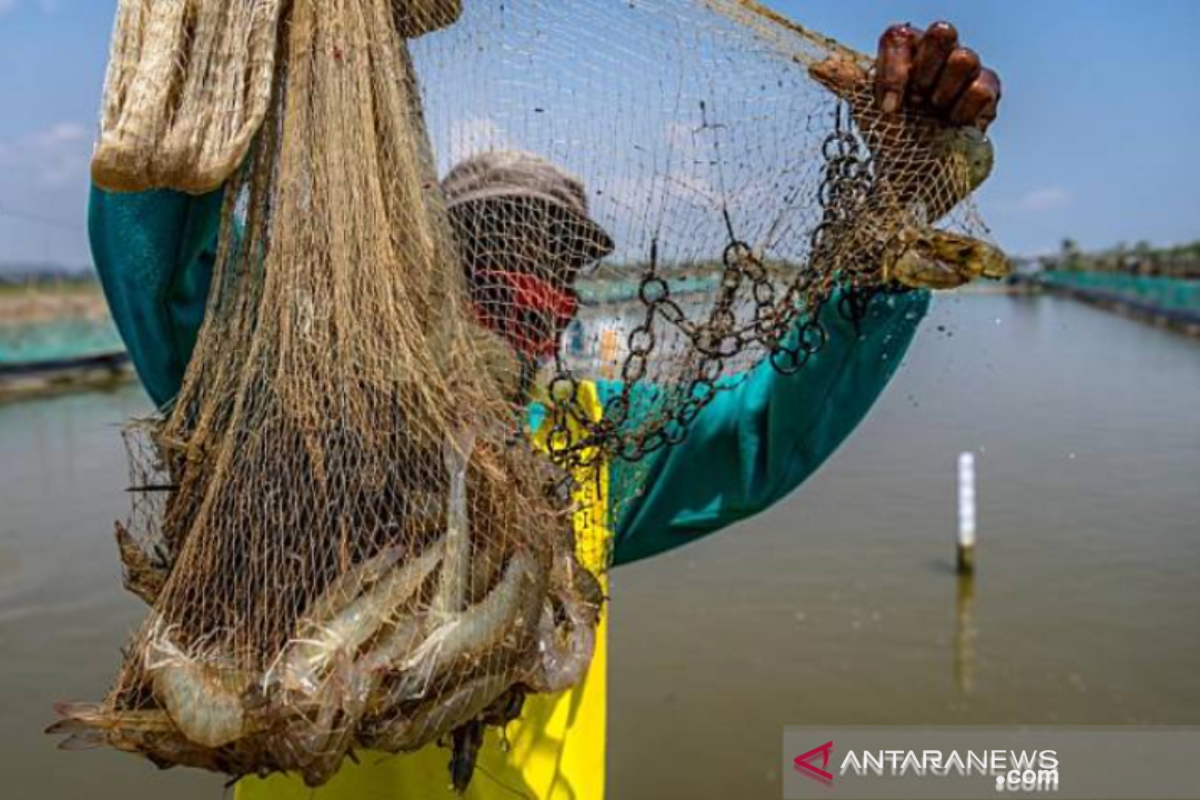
749 448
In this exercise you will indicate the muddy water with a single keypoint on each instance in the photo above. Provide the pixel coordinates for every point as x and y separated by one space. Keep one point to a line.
840 606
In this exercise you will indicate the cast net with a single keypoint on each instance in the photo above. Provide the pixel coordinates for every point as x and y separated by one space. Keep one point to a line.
745 176
351 530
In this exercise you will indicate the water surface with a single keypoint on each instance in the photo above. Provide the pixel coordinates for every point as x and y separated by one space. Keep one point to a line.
839 606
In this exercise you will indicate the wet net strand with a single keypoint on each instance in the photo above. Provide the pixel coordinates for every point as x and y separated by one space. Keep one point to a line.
351 530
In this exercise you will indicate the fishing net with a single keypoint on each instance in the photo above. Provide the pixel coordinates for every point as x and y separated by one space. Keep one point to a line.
347 534
187 90
743 171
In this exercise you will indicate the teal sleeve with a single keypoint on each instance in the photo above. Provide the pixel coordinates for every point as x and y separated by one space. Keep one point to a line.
755 443
154 252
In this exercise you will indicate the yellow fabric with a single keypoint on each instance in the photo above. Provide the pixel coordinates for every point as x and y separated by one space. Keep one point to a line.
555 751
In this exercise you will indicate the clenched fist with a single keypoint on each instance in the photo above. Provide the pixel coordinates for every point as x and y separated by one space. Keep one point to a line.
930 70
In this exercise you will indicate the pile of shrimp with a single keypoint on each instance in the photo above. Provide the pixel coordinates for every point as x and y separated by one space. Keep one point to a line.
391 657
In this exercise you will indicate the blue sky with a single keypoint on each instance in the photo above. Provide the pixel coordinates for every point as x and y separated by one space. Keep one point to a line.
1099 137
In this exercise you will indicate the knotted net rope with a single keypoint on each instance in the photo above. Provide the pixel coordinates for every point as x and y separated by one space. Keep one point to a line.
348 536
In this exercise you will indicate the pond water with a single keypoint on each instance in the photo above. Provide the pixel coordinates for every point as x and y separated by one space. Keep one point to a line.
839 606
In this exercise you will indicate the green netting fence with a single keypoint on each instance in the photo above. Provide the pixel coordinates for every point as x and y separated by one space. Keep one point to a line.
1176 298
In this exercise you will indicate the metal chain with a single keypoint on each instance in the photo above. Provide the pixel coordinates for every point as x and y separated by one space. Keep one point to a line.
576 440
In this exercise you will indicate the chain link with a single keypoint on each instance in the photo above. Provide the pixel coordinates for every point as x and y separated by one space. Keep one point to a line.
787 327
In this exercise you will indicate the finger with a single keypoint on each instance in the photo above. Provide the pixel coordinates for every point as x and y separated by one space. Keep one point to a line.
962 68
932 53
981 95
988 116
897 47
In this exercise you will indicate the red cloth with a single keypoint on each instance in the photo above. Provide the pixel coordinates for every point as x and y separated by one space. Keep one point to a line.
527 311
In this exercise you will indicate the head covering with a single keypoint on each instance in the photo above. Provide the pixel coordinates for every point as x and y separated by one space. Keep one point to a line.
528 312
524 233
491 197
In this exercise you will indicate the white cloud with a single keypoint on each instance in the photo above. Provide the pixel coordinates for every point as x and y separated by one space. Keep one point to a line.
59 134
1039 200
53 156
476 135
44 5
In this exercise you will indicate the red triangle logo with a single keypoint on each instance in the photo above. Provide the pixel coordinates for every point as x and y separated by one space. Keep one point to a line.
803 765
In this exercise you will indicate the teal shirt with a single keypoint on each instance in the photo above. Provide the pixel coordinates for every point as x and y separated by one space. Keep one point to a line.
746 450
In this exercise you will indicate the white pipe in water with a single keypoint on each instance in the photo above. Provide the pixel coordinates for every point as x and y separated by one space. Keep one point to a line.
966 512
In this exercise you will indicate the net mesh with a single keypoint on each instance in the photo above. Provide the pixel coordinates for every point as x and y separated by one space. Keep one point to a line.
741 168
435 216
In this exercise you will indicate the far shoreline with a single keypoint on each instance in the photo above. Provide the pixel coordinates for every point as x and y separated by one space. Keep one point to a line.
48 301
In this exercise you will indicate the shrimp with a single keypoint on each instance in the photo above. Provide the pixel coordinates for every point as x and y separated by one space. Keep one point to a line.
563 656
392 649
203 700
319 641
316 747
88 725
565 652
148 732
483 626
435 720
350 584
456 568
395 646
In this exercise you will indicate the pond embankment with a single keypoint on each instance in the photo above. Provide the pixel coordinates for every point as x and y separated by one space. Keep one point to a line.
1167 302
56 337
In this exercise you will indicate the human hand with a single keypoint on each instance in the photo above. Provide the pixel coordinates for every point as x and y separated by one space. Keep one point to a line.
930 71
